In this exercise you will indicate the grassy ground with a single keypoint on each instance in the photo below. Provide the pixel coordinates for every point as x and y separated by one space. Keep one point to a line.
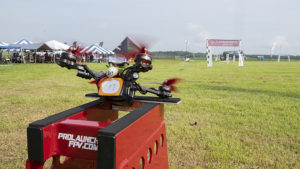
247 117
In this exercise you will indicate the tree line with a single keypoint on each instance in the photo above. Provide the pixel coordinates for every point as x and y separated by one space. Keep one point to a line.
199 55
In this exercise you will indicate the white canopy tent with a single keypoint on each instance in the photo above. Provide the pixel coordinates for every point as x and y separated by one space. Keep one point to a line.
54 45
3 44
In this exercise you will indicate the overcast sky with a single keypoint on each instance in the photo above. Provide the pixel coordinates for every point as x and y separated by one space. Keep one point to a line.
258 23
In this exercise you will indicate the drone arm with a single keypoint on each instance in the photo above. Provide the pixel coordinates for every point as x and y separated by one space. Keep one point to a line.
160 93
83 71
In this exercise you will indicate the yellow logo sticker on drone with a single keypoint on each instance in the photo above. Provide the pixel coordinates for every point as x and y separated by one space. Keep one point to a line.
110 87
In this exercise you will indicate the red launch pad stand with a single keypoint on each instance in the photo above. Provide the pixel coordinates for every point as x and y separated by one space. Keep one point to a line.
91 136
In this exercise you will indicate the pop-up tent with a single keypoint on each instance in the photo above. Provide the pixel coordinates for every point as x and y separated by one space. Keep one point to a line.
3 44
15 48
23 41
33 46
53 45
26 47
9 47
96 49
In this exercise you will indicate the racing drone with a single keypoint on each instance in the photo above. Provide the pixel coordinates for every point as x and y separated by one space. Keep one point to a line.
118 84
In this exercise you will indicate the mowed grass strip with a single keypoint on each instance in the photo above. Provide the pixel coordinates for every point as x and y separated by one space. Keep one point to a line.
230 116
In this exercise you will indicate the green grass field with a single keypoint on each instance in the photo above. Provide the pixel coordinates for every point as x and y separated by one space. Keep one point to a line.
247 117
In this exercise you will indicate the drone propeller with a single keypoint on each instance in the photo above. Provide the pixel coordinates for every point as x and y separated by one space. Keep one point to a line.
75 49
171 83
93 82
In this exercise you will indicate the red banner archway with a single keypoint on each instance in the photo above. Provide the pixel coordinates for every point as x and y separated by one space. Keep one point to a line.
222 43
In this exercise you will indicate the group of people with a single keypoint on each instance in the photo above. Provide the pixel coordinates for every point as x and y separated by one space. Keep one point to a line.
23 57
45 57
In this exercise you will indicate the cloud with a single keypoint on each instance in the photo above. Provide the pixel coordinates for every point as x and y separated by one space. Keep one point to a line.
193 27
197 44
280 40
199 31
102 25
201 35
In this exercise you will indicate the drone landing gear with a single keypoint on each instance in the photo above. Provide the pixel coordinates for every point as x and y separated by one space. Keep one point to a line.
90 137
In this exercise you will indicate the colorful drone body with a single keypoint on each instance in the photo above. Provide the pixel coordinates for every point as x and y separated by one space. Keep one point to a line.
118 84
